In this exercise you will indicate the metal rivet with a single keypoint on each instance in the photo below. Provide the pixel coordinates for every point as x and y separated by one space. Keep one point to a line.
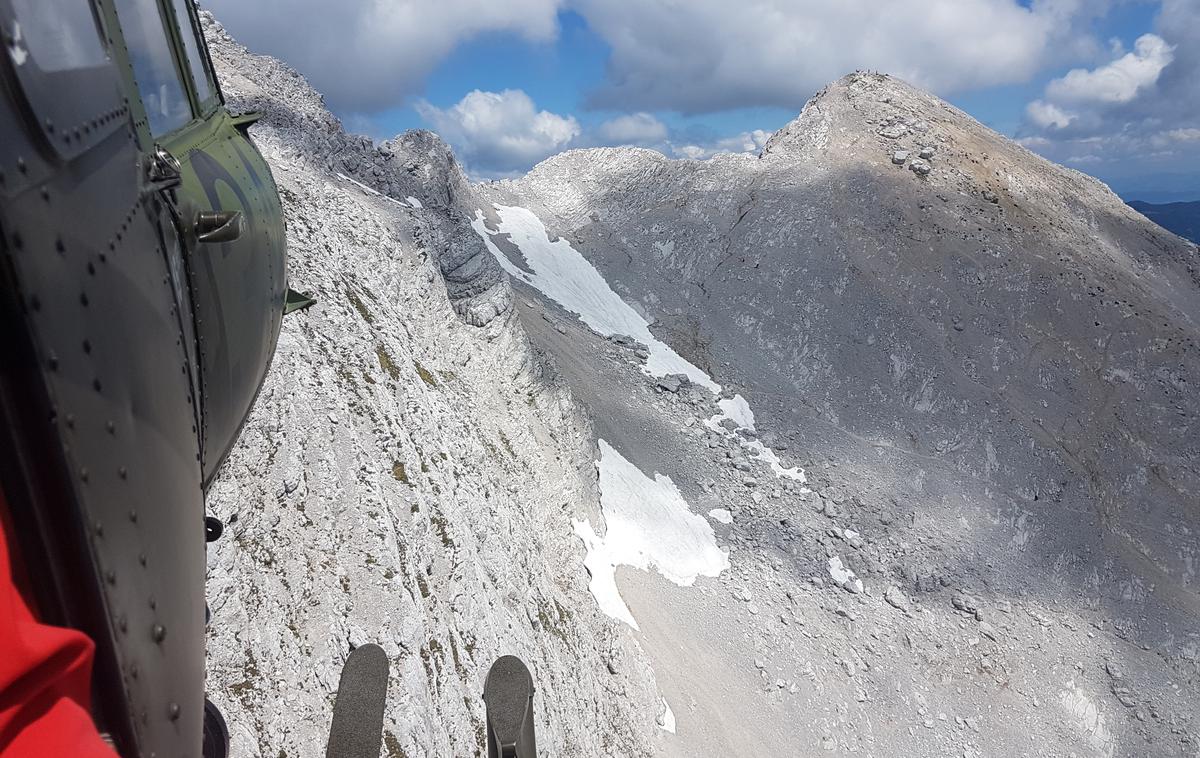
91 269
133 516
153 605
70 420
173 711
159 632
123 623
83 473
83 299
50 126
98 528
53 361
103 258
111 427
96 385
59 246
21 166
133 670
87 346
123 473
110 576
45 194
142 559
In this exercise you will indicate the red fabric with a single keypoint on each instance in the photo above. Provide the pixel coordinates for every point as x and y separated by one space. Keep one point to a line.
45 676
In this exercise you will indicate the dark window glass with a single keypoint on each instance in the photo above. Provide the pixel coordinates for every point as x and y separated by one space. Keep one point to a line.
163 94
58 34
191 45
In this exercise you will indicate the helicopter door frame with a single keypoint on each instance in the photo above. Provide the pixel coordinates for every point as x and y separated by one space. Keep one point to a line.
203 108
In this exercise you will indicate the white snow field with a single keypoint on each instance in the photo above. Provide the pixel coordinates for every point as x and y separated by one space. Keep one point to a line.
560 272
843 576
737 410
648 525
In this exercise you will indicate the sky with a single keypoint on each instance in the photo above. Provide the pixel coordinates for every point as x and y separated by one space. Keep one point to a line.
1109 87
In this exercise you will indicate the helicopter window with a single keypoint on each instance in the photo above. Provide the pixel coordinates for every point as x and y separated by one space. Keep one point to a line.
163 94
191 45
59 35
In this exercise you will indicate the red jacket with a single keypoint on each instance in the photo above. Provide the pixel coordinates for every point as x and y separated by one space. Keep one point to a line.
45 678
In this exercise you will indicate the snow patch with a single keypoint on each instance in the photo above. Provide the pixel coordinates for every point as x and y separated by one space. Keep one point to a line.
414 202
373 192
721 515
648 525
667 720
737 410
842 575
561 273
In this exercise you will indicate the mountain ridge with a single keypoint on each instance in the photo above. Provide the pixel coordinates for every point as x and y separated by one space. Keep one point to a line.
977 533
991 352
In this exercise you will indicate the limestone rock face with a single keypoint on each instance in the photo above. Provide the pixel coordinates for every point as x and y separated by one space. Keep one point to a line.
982 309
409 472
986 364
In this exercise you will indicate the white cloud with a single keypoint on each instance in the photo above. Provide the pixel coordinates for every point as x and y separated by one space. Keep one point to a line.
707 55
1048 115
633 129
369 55
1119 81
693 56
1134 115
746 142
1190 134
500 132
1034 143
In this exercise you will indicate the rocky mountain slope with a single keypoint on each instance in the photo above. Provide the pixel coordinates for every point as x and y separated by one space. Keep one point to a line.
409 472
882 442
984 363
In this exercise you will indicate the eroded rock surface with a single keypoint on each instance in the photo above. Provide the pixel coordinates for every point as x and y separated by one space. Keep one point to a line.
986 365
409 473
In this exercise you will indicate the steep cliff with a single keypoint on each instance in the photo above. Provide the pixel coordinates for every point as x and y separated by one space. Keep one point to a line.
410 470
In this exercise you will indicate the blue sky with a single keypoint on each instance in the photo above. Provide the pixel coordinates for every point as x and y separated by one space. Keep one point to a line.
1105 86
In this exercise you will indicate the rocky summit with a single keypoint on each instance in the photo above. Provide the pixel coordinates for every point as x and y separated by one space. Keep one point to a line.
881 442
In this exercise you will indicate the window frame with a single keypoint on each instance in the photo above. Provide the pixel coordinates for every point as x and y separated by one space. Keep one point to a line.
172 29
200 108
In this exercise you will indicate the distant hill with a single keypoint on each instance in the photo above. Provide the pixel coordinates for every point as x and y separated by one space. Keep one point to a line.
1181 218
